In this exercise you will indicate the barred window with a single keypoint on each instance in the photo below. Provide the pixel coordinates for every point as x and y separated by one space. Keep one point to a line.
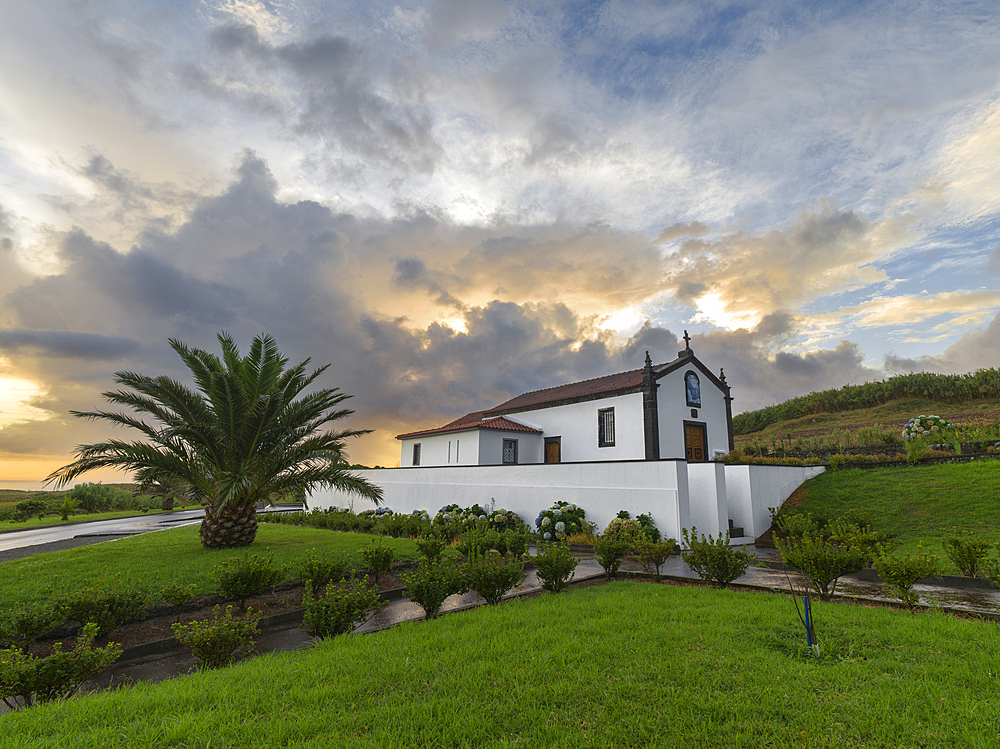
509 452
416 454
606 427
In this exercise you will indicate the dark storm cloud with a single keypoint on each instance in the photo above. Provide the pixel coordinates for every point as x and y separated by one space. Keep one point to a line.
347 95
67 343
319 281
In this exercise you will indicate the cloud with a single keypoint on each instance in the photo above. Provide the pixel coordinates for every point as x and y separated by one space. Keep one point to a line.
67 344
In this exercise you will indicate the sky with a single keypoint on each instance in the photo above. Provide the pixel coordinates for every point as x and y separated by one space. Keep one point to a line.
456 202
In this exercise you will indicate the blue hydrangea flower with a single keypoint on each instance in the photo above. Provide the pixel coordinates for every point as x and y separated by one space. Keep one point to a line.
557 512
560 527
547 536
538 521
482 517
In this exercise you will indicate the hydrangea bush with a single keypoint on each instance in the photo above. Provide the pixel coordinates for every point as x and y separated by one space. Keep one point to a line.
925 427
559 521
500 520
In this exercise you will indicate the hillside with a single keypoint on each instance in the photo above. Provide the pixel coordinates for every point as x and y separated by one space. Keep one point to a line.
920 390
873 414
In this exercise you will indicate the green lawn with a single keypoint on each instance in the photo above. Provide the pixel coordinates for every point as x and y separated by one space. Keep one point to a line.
914 503
622 665
172 556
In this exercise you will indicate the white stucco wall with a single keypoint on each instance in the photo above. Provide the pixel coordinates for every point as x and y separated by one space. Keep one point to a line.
529 446
602 489
452 448
576 424
676 494
707 490
673 411
752 490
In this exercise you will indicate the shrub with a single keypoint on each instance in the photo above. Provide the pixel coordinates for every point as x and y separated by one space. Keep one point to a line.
479 539
316 572
555 564
653 554
218 641
177 594
247 574
643 524
901 573
559 521
433 583
822 561
991 569
796 524
624 529
101 498
26 680
378 558
516 540
106 605
505 520
29 508
713 558
609 551
24 623
492 575
871 543
340 608
966 551
403 526
431 547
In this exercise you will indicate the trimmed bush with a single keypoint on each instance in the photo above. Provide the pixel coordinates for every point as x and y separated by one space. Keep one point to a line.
340 608
379 559
430 547
610 550
714 559
177 594
433 583
26 680
106 605
554 566
24 623
492 575
317 572
822 561
967 552
246 575
653 554
900 573
218 641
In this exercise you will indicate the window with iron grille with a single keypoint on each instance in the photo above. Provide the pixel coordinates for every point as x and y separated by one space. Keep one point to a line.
606 427
416 454
509 452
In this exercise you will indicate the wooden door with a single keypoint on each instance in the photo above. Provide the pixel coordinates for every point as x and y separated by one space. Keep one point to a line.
552 451
695 447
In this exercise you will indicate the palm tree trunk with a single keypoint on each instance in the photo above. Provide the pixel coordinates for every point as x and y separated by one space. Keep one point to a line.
227 527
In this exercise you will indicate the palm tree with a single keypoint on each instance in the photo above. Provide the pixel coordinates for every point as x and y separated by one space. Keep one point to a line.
240 439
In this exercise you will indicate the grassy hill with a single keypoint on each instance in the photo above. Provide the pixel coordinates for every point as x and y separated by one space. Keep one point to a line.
873 414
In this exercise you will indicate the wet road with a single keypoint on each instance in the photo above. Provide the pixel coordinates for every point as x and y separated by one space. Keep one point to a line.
109 528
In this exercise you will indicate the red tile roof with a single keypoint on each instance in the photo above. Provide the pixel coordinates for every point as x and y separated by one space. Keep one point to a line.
597 386
474 421
623 382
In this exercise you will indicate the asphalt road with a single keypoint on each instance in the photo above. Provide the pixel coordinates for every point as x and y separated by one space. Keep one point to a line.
99 528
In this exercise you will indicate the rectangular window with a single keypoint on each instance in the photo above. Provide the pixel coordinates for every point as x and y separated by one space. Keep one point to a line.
606 427
458 443
416 454
449 451
509 452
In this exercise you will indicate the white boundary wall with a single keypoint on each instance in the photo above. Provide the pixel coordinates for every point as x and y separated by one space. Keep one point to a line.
752 490
676 494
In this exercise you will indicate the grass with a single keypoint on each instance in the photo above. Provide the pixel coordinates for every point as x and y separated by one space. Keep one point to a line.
157 559
916 504
622 665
